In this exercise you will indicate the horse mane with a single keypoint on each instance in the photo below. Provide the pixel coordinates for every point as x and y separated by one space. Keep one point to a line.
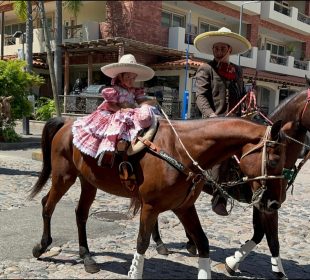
284 103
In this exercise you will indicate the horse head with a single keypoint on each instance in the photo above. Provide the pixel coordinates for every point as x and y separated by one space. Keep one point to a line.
266 158
5 107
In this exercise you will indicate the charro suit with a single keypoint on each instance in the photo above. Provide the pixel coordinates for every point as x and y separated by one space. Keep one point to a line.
216 94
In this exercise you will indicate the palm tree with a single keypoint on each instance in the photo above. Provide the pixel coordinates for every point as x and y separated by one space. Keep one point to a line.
49 55
58 50
23 10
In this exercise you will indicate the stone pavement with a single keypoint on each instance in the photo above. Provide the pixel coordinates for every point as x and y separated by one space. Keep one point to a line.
112 233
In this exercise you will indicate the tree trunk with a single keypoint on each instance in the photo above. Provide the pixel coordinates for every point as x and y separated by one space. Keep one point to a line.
50 60
29 38
58 49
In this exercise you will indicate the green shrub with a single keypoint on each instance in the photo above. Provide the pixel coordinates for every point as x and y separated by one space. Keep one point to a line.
45 109
8 134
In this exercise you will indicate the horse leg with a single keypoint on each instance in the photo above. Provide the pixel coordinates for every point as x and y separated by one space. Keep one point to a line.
271 229
192 226
60 185
148 220
232 262
88 194
160 246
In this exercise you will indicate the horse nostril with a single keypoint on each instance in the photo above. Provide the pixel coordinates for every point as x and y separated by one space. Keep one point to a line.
274 205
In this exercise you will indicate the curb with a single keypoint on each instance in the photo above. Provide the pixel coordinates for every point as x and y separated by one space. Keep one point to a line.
37 155
20 145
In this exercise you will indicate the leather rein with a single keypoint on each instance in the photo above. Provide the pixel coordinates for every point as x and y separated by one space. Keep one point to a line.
203 175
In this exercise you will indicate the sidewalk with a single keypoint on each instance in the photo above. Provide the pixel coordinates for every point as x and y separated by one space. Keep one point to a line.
31 141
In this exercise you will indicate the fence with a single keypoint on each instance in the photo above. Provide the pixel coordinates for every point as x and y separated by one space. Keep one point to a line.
86 104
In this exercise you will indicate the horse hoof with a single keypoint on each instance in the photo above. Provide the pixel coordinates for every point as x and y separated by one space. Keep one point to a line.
162 250
229 270
90 265
191 248
37 251
280 275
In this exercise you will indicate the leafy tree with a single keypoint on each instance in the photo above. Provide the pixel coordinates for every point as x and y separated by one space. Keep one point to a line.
15 81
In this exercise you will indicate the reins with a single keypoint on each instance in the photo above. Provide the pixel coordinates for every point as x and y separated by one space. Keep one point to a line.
204 175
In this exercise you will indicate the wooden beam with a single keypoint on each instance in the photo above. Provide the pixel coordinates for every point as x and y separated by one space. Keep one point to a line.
90 69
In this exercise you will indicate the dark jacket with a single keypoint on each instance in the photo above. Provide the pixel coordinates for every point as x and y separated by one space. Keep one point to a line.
215 94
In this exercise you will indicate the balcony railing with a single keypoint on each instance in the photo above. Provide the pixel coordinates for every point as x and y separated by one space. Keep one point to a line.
303 18
300 64
282 9
74 31
278 59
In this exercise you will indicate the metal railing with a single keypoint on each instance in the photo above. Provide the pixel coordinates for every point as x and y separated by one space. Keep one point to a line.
86 104
74 31
277 59
303 18
282 9
300 64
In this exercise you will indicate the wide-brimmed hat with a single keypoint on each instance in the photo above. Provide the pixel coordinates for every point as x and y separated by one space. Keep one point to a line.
128 63
204 42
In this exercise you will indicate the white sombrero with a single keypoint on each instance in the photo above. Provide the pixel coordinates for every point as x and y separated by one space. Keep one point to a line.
128 63
205 41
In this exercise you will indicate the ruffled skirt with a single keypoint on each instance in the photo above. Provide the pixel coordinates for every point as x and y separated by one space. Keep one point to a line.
101 130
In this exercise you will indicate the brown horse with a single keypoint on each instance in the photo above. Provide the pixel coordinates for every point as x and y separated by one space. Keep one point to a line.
295 112
161 187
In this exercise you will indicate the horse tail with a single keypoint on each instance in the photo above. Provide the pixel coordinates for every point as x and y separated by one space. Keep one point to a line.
50 129
134 205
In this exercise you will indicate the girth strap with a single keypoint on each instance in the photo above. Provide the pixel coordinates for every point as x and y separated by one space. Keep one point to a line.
196 179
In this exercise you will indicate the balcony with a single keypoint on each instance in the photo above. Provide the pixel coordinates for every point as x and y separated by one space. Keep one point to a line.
85 32
289 17
281 64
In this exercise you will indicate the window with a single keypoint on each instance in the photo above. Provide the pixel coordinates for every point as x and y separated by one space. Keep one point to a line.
9 30
206 27
169 19
275 49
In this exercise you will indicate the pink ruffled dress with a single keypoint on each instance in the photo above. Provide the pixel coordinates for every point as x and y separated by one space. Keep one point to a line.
100 130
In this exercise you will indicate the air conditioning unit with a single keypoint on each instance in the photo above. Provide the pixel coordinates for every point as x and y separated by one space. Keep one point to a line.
192 29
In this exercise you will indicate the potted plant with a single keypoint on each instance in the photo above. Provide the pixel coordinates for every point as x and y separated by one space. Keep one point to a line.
290 49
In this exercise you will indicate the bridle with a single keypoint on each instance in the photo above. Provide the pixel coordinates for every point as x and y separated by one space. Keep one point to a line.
306 105
264 143
204 175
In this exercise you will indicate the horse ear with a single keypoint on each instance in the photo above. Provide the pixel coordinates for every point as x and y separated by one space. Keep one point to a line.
275 130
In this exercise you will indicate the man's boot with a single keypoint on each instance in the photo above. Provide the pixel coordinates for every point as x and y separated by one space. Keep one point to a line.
219 205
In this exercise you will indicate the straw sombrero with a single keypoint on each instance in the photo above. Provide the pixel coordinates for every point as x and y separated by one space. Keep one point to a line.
205 41
128 63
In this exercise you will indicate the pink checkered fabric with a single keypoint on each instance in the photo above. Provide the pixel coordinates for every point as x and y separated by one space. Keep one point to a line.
100 130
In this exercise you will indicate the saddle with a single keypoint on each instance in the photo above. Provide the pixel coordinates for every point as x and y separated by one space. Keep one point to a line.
124 149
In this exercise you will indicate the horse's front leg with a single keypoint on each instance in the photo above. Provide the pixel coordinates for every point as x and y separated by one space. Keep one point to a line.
160 246
232 263
191 223
88 194
148 220
271 221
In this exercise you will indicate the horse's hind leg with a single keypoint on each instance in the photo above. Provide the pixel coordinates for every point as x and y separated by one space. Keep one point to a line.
191 223
160 246
88 193
60 185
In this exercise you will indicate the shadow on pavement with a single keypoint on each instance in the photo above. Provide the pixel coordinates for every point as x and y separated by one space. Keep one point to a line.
10 171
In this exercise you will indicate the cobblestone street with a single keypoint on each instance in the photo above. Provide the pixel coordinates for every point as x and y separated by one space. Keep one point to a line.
112 236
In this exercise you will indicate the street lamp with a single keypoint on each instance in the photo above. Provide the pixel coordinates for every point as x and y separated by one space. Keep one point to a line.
240 20
20 34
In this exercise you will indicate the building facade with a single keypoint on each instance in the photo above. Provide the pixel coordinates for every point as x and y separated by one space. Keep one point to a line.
161 33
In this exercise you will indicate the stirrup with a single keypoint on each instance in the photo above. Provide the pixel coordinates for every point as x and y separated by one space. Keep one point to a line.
106 159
